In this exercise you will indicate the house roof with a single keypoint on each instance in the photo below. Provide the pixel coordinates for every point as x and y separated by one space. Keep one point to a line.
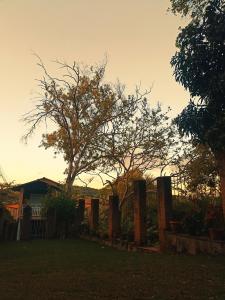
42 186
38 185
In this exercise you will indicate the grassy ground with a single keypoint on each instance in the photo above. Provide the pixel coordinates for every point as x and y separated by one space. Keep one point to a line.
74 269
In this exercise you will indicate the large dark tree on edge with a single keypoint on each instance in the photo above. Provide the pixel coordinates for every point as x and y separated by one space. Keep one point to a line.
193 8
199 65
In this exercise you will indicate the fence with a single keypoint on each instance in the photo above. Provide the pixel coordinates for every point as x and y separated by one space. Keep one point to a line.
141 217
152 213
8 226
183 190
148 214
195 212
103 220
127 217
36 212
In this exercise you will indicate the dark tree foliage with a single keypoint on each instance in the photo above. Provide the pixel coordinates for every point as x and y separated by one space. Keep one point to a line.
199 65
193 8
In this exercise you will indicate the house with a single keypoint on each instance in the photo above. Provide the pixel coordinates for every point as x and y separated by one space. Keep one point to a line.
32 193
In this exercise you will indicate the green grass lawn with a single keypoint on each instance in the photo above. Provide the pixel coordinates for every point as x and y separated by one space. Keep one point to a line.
74 269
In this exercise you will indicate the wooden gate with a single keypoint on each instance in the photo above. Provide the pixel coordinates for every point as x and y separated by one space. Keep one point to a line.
38 228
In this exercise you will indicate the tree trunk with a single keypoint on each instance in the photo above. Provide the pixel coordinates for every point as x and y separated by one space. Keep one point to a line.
69 186
220 158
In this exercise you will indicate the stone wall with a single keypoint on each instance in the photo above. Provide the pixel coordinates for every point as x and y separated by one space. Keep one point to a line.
183 243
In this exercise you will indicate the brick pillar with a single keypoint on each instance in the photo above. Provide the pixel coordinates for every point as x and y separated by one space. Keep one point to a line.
164 195
26 223
50 223
94 215
140 212
114 217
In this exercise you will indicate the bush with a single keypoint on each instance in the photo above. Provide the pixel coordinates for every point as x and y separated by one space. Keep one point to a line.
195 215
64 206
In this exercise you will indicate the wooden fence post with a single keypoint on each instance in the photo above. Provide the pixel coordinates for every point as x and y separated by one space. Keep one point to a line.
26 223
1 223
94 215
13 232
6 230
114 217
81 208
140 212
20 210
50 223
79 217
164 195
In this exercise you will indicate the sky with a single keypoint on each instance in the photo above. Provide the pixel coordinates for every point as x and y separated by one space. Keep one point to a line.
137 36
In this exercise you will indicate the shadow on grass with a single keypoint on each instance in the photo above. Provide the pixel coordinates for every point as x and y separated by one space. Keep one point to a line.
76 269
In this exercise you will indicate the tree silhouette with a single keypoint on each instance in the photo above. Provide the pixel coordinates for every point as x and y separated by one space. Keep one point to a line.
199 65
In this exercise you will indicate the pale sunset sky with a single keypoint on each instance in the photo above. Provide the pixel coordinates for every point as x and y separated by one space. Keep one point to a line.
138 37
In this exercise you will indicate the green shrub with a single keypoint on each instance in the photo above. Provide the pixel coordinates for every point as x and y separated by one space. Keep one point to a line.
64 206
194 215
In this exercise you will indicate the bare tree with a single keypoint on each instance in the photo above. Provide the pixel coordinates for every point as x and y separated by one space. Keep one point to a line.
140 144
82 108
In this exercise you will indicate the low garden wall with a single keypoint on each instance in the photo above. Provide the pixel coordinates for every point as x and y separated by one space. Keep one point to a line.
184 243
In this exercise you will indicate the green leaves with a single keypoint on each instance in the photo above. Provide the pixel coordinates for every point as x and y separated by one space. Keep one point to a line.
63 205
199 65
193 8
